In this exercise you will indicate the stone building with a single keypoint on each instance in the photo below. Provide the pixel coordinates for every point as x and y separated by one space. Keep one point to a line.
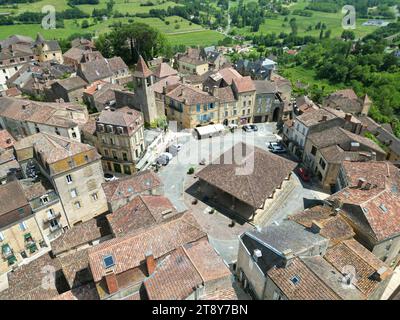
47 50
120 139
74 169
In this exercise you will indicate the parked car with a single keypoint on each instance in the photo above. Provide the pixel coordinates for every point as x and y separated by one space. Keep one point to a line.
109 177
276 147
304 174
162 160
168 155
174 148
250 128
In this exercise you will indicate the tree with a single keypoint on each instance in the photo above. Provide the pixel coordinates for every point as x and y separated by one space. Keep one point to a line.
85 24
348 35
130 40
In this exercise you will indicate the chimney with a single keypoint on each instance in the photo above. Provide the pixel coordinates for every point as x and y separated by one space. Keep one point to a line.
316 227
257 254
214 90
288 256
150 263
111 281
324 118
368 186
347 117
381 274
360 183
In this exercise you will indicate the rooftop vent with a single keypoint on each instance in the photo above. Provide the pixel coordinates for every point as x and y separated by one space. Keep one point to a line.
257 254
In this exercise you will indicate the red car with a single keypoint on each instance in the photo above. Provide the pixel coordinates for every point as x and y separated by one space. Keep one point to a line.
304 174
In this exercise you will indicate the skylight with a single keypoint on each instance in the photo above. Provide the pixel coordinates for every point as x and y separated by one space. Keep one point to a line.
295 280
108 261
383 208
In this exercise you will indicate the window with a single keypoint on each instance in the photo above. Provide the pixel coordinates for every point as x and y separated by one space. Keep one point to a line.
108 261
125 156
313 151
86 158
54 224
198 107
44 199
22 226
68 178
295 280
95 196
127 170
77 205
322 163
73 135
114 153
73 193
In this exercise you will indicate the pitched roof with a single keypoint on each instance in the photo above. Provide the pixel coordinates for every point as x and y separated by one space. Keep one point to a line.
224 94
129 252
74 53
142 70
164 70
124 117
380 205
230 173
72 83
141 212
189 95
177 275
308 287
315 117
6 139
12 197
229 74
165 82
341 137
80 234
95 70
175 278
265 86
365 264
117 64
131 185
53 148
85 292
244 84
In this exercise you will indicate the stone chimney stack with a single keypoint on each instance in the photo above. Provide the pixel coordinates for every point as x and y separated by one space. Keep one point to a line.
111 281
150 263
347 117
360 183
324 118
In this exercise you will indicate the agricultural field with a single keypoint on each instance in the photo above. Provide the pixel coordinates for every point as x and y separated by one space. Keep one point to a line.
333 21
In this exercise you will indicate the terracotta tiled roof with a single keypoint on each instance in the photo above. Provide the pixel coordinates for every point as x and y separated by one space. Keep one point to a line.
265 172
308 285
379 203
164 70
129 252
351 253
341 137
55 148
80 234
346 93
124 117
75 268
244 84
315 117
189 95
228 74
140 212
6 140
26 283
12 197
13 92
222 294
170 80
128 186
177 275
224 94
142 70
332 226
175 278
117 64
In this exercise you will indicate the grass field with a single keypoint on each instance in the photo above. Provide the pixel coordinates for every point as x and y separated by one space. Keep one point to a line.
333 22
307 77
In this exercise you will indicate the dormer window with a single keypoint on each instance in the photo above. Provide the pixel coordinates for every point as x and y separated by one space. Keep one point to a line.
101 127
110 129
44 199
120 130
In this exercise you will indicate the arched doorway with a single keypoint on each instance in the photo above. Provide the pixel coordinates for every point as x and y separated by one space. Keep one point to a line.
275 116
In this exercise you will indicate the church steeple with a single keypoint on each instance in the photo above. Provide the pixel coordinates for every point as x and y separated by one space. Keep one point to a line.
142 70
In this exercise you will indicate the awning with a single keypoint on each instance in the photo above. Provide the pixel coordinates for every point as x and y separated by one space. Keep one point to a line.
210 129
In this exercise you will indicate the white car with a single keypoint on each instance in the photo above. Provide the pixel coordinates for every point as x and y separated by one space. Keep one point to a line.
168 155
109 177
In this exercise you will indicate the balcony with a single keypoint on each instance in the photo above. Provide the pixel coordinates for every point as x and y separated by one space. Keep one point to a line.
8 254
55 227
51 217
30 243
